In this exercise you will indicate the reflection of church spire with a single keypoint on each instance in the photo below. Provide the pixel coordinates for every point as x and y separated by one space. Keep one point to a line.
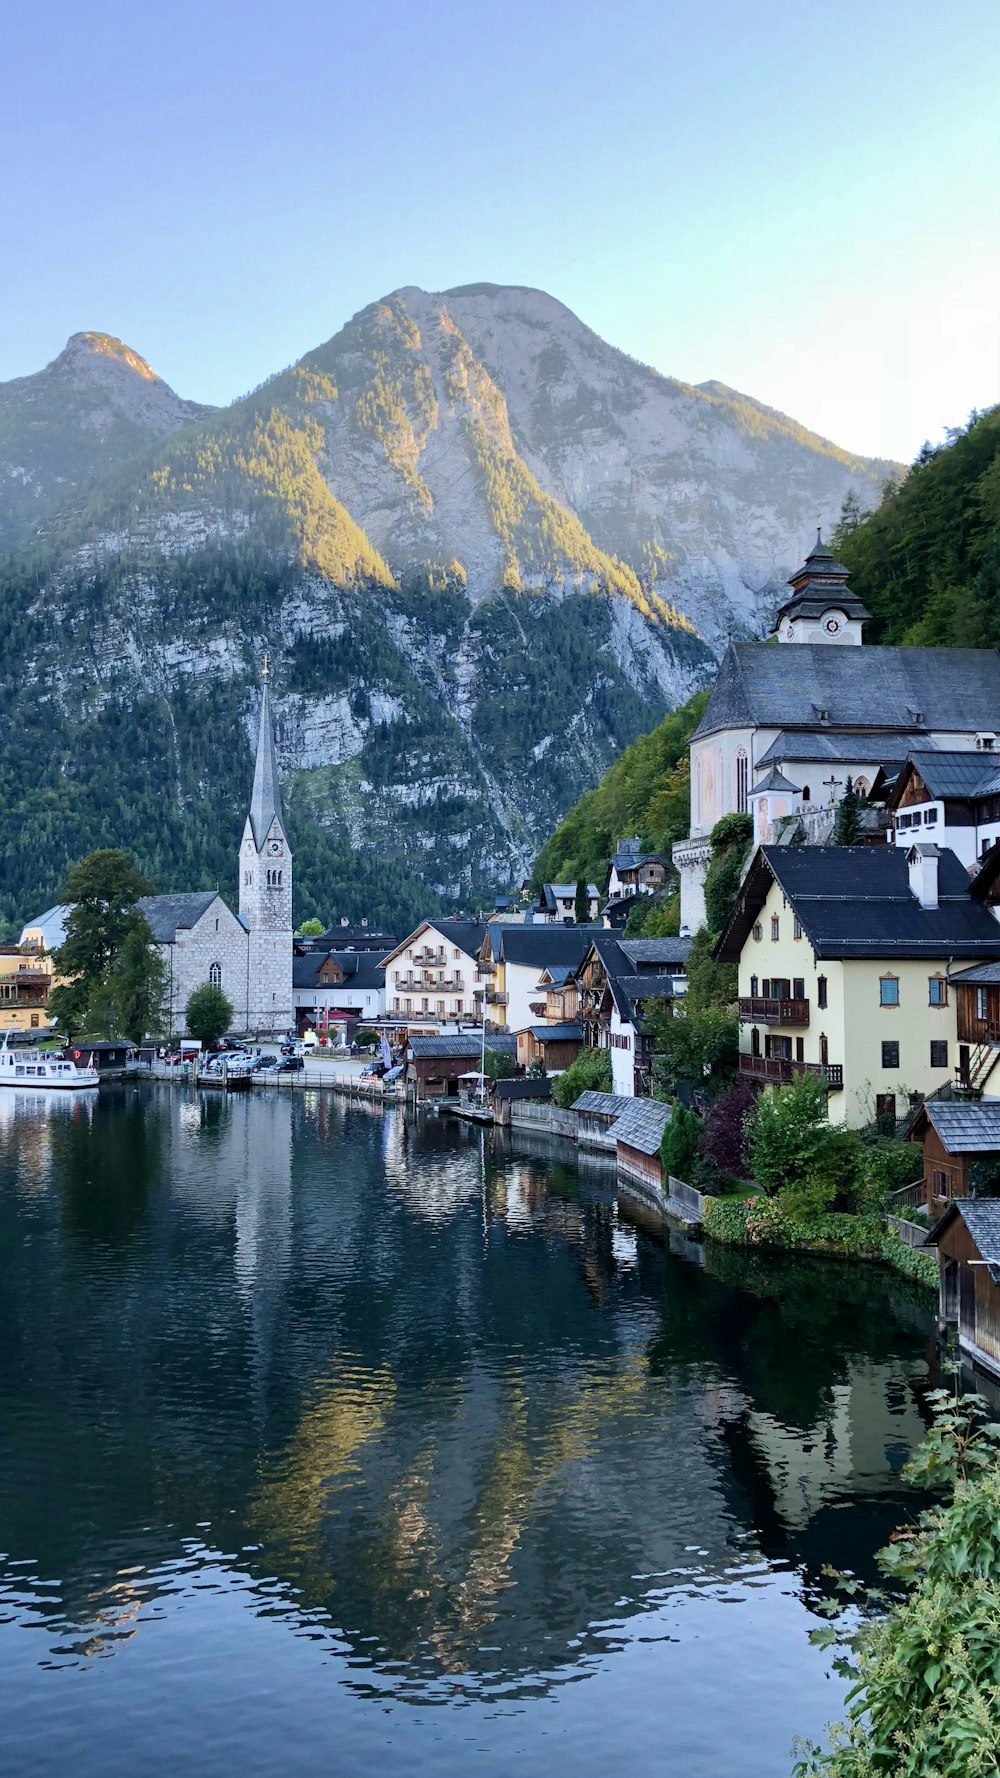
265 803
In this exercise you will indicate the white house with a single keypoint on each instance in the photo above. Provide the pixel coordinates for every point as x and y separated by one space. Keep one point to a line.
432 977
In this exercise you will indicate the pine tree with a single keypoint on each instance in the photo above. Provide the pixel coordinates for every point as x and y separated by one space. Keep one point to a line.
847 829
581 907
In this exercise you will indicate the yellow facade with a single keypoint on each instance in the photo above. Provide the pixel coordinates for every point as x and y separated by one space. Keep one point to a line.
26 979
854 1022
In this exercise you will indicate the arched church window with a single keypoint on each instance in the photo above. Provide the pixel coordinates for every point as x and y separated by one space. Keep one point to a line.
215 975
805 793
742 780
278 878
248 879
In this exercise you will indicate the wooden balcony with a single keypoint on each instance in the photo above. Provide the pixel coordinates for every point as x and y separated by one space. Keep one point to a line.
756 1010
780 1069
494 998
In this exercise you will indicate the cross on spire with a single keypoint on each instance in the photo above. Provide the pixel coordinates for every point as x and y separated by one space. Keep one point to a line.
264 669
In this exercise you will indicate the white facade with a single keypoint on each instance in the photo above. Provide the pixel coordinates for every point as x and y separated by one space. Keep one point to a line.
213 949
431 978
621 1046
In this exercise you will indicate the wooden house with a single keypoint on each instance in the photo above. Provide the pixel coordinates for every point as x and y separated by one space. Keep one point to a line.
967 1239
638 1134
960 1139
555 1046
597 1115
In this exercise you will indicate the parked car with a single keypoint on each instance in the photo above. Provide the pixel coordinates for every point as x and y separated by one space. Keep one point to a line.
266 1065
289 1064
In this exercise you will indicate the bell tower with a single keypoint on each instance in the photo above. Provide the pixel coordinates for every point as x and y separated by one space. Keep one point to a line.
822 607
265 883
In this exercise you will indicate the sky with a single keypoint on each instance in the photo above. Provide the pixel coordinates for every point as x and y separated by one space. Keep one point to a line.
801 200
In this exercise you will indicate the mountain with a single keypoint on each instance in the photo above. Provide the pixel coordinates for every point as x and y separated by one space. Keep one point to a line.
95 405
484 549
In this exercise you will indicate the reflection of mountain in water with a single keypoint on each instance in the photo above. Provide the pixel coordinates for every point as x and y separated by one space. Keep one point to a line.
424 1390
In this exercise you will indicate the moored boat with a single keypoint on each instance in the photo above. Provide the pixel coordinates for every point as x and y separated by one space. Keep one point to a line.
27 1068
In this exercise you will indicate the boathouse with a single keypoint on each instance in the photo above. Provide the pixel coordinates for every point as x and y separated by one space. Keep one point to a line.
968 1242
638 1134
960 1139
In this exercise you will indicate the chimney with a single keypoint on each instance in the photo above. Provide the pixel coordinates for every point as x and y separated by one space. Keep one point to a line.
923 863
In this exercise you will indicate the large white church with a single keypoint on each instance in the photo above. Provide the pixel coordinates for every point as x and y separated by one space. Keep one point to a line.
790 720
248 955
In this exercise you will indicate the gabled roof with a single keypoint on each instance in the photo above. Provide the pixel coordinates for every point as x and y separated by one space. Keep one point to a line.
661 951
539 947
464 935
643 1124
306 969
593 1104
981 1217
875 690
965 1126
51 925
979 973
855 901
166 915
961 775
818 747
461 1044
265 802
564 1033
775 780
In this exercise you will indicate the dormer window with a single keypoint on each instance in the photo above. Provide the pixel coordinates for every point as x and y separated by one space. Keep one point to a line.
986 743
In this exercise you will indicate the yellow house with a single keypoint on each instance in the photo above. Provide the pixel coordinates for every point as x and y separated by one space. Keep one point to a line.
843 955
26 980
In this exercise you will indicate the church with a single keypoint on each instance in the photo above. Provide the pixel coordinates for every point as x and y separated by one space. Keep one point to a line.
790 720
248 955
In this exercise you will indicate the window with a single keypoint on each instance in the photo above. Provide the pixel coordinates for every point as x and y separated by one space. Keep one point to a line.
215 975
758 933
742 780
800 1049
888 990
754 1041
937 990
775 928
805 793
821 990
796 927
824 1048
890 1055
939 1052
982 1003
754 987
799 988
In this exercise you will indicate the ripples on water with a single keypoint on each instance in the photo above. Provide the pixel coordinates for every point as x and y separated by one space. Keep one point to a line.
331 1442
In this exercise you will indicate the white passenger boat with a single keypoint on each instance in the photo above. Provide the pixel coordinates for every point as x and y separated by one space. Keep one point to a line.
26 1068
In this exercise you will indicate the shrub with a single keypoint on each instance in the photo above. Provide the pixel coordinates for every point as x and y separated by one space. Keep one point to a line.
787 1134
723 1136
883 1168
209 1014
679 1143
591 1072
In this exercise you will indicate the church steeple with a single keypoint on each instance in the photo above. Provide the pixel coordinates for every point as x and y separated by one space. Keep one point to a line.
266 885
265 802
822 607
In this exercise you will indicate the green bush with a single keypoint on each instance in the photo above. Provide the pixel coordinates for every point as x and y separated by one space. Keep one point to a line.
591 1072
883 1168
923 1702
764 1222
679 1143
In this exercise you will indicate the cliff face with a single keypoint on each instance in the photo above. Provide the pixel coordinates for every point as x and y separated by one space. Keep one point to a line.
484 549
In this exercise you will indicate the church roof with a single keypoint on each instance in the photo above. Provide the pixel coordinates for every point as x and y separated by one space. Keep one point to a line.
166 915
840 749
819 686
265 802
819 584
775 780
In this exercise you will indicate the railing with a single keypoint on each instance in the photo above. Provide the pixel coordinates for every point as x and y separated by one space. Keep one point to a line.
686 1196
429 959
494 998
912 1234
909 1196
781 1069
756 1009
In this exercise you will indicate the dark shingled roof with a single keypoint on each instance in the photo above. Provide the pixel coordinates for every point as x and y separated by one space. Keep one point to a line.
839 749
543 945
855 901
980 972
966 1126
565 1033
643 1124
661 951
775 780
305 969
166 915
265 802
610 1105
522 1089
981 1217
953 773
461 1044
363 969
761 685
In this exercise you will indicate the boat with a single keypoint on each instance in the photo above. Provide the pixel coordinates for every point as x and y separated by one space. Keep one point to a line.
27 1068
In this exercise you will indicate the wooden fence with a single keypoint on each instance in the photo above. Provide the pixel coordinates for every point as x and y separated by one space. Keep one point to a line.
912 1234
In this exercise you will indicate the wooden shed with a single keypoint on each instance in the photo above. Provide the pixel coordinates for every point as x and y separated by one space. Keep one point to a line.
638 1133
555 1046
960 1139
968 1242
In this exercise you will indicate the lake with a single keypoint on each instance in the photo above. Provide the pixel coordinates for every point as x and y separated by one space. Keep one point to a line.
333 1442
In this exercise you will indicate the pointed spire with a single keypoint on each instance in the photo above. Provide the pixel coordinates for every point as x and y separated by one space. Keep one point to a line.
265 803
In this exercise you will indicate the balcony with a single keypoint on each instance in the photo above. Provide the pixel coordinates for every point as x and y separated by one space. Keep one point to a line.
778 1070
756 1010
494 998
428 959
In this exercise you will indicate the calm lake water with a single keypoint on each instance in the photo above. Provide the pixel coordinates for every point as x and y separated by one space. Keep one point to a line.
336 1444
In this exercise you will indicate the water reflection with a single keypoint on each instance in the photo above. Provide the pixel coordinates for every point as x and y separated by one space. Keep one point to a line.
423 1394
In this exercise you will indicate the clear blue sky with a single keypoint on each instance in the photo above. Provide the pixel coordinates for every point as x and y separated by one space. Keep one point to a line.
802 200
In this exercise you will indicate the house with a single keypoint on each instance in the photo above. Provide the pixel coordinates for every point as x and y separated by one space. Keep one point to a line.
967 1239
248 955
432 976
27 977
511 961
960 1139
107 1056
597 1115
634 872
555 1046
617 977
342 985
844 955
638 1134
951 798
435 1064
46 932
559 993
346 937
820 708
557 902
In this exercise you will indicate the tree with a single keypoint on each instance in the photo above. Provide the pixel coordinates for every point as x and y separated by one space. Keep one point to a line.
591 1072
695 1045
310 929
208 1014
796 1153
102 890
679 1143
581 906
731 839
847 828
130 1000
497 1065
654 916
723 1137
67 1006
